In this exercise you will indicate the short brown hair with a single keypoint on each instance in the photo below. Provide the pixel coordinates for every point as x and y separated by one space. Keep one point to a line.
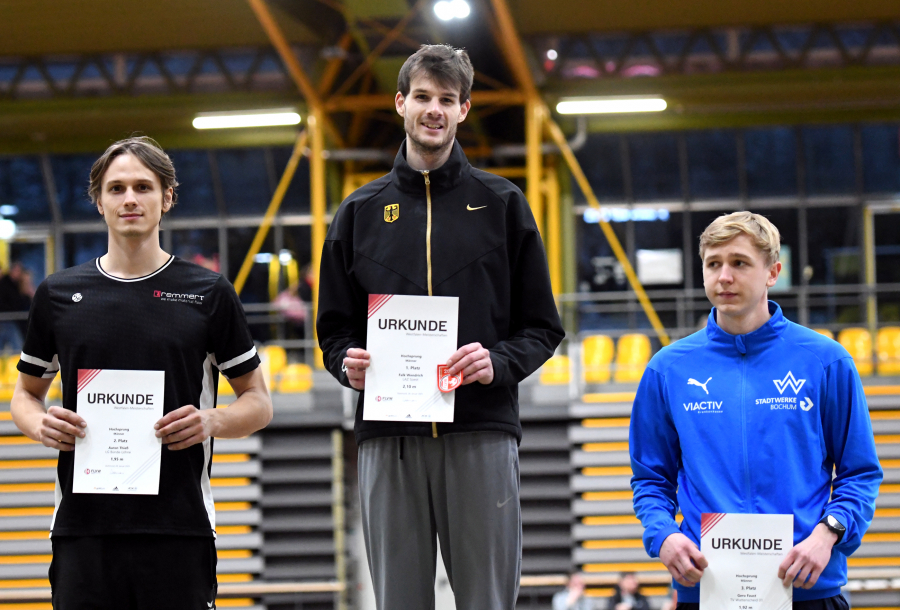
759 229
447 66
148 152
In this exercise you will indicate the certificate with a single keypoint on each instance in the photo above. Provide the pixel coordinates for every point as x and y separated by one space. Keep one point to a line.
744 552
120 453
409 338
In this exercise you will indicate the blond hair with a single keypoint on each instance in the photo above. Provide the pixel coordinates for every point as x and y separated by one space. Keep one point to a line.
759 229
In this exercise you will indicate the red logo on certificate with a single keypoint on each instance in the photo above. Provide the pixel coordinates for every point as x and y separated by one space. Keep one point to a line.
446 381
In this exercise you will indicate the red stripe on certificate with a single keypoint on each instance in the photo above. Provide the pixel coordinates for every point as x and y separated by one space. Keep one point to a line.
85 376
377 301
709 521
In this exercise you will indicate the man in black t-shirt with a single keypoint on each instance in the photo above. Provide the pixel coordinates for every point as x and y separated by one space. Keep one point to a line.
138 308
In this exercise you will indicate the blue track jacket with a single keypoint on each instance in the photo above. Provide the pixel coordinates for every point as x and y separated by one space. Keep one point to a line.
754 423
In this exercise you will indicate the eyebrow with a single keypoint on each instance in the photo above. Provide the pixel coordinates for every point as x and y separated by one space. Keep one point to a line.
447 93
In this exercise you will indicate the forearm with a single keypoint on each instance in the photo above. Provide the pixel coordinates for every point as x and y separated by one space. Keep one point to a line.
251 411
27 412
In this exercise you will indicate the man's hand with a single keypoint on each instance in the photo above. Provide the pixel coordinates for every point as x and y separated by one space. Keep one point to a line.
683 559
185 427
808 559
475 363
355 365
59 427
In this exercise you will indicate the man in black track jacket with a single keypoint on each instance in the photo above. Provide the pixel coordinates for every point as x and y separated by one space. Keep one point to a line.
435 226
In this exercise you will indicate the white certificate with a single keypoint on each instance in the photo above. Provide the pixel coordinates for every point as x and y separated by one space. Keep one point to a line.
408 338
120 453
744 552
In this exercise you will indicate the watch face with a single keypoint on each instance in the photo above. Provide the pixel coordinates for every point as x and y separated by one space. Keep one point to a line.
834 524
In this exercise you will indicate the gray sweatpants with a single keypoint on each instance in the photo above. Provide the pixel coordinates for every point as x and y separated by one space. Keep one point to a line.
464 488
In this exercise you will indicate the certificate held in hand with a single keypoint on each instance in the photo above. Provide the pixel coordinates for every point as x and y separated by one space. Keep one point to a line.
744 553
410 339
120 453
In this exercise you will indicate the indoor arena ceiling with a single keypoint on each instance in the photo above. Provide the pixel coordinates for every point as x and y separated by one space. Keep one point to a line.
75 74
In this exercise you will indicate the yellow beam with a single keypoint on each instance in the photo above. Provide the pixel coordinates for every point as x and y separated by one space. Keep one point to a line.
385 101
274 205
534 160
557 135
554 229
333 68
512 49
279 41
317 207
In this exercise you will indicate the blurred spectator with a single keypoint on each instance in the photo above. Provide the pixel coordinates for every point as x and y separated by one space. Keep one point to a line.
627 596
16 292
573 597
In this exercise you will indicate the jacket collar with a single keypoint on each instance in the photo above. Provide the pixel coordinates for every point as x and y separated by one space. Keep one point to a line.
445 177
758 339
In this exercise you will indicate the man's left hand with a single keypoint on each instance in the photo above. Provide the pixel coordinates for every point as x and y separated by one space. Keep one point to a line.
805 562
184 427
475 363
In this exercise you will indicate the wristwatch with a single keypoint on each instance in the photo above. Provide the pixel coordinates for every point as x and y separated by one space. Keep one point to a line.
835 526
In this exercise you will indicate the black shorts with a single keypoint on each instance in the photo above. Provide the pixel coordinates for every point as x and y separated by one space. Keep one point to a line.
828 603
133 572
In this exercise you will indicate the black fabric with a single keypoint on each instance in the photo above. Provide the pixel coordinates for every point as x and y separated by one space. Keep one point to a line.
137 572
828 603
181 319
486 250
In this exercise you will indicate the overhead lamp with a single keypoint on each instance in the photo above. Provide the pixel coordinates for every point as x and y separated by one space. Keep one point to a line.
610 105
246 118
7 228
452 9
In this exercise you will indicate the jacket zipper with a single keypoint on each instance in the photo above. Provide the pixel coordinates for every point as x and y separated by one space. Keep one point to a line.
434 430
747 482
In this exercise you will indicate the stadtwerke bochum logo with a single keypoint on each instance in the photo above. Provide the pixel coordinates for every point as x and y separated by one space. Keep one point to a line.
789 380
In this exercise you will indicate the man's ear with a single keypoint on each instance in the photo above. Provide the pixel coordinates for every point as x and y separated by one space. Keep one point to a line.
400 104
464 110
167 200
774 270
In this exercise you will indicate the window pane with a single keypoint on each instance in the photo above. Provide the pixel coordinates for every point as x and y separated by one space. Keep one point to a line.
199 246
72 174
22 186
296 200
830 169
32 256
601 160
712 164
82 247
196 196
654 166
881 158
835 258
771 162
887 264
245 183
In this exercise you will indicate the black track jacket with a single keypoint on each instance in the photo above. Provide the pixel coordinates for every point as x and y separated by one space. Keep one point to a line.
485 249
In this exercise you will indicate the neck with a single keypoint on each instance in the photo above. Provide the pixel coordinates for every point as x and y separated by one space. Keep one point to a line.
747 323
421 160
131 257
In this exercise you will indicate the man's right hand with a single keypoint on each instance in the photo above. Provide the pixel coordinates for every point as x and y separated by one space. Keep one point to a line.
59 427
355 365
683 559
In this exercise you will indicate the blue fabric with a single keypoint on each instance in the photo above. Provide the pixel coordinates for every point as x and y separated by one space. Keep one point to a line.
766 420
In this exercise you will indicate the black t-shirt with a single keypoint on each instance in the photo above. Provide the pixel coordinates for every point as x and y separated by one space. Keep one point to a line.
181 319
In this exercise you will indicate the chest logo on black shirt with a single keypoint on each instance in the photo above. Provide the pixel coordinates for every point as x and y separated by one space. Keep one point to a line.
391 212
76 297
178 297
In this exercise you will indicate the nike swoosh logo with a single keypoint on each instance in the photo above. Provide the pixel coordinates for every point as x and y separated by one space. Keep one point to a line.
471 209
502 504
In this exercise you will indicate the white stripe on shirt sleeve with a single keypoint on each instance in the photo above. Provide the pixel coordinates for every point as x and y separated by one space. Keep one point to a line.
38 362
236 361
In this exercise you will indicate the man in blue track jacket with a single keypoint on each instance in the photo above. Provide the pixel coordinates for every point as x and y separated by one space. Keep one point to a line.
753 414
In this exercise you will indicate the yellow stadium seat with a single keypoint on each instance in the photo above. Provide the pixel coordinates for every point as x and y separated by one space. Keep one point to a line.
9 374
224 387
555 371
55 391
824 332
887 347
632 356
858 342
276 357
294 379
596 356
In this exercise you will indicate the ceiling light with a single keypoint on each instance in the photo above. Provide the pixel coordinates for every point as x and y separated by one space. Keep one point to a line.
552 54
246 118
7 229
610 105
452 9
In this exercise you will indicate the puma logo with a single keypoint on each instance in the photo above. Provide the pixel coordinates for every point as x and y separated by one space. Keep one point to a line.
702 385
